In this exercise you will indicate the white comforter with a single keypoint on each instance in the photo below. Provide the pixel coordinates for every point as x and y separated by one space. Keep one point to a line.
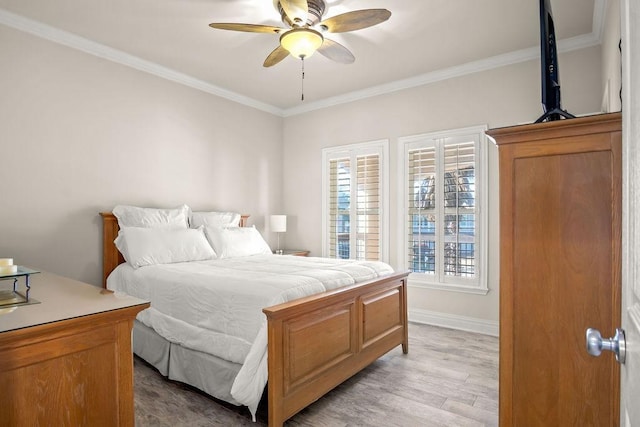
216 306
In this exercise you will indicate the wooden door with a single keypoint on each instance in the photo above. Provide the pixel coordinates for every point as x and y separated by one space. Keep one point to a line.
560 204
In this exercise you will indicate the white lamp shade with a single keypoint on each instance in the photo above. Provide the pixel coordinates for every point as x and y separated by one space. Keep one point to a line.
278 223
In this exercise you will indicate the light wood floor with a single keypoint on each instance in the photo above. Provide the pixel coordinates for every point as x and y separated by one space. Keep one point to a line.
449 378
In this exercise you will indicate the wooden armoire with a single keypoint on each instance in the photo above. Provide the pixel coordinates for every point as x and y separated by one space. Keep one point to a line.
560 264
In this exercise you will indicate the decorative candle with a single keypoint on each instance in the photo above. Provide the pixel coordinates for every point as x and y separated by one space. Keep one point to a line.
6 261
8 269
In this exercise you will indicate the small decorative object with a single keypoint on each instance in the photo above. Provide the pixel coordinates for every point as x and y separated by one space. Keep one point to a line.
11 272
7 266
278 225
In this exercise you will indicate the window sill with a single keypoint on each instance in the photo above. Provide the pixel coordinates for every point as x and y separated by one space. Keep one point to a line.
415 282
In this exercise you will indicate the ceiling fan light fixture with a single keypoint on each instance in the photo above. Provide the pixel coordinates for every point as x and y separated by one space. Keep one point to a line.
301 43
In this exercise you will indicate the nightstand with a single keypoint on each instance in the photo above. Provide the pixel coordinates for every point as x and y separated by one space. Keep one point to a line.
295 252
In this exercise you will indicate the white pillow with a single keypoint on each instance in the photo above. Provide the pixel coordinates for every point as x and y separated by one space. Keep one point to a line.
148 246
133 216
231 242
215 219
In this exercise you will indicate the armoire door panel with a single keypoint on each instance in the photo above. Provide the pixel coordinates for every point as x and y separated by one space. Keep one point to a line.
562 246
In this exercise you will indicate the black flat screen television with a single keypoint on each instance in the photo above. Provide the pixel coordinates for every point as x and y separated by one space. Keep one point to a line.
550 76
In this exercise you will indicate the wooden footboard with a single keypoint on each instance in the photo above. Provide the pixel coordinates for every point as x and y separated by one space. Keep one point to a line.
316 343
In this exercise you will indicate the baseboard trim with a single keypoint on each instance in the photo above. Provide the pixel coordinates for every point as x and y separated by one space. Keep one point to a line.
453 321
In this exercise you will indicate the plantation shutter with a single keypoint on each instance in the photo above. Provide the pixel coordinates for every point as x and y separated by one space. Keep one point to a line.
422 210
355 227
441 222
368 209
339 207
444 194
459 209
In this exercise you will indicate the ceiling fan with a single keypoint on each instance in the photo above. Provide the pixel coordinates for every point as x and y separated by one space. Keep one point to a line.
305 32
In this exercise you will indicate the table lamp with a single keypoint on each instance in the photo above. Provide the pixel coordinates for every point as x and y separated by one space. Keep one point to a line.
278 225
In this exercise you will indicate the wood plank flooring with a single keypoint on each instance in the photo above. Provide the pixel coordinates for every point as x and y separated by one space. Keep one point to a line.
449 378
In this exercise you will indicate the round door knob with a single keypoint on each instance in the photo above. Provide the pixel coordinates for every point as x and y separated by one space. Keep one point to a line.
596 344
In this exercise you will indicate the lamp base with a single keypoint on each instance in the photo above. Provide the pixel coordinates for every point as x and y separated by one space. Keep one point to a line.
279 251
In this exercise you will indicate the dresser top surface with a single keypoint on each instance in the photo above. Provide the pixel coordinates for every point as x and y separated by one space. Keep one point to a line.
59 298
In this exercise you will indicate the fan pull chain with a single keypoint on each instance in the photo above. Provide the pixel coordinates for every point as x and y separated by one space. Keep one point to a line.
302 89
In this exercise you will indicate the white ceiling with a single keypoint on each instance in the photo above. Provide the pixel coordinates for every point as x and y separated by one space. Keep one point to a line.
424 40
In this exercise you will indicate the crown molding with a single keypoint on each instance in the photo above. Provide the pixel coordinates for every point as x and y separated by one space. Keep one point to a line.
523 55
599 13
74 41
56 35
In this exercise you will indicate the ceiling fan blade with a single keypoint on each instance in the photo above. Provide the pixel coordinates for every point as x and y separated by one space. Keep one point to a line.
296 10
276 56
356 20
249 28
336 52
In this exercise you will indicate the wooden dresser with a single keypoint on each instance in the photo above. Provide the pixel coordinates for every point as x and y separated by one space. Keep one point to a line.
560 243
67 361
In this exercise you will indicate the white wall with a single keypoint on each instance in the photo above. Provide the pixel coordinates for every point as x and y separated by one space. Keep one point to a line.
500 97
79 134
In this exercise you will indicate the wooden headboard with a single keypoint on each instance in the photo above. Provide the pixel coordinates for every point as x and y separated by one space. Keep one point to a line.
111 256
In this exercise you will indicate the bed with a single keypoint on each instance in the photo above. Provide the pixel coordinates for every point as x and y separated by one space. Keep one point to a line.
313 343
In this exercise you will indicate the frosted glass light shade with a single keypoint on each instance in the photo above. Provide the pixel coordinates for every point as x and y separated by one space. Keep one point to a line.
278 223
301 42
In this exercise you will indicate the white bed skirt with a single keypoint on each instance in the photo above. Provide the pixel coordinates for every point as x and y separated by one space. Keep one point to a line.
208 373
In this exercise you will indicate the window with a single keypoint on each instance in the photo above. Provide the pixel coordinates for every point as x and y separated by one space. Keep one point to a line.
444 200
354 188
